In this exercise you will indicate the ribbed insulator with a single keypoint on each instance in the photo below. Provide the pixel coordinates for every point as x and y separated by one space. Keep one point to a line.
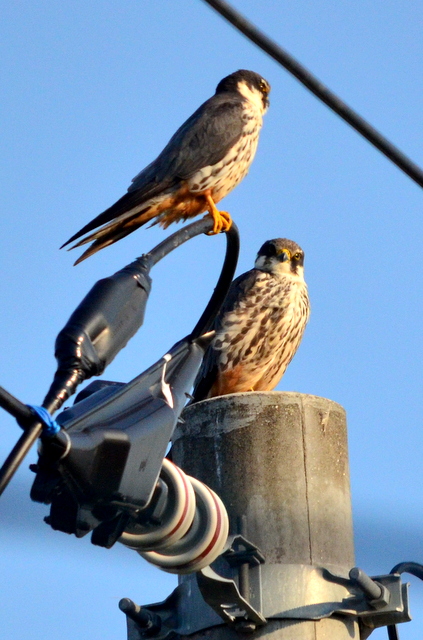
192 530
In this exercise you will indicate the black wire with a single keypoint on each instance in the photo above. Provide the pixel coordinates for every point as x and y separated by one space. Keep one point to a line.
393 632
18 453
33 427
319 89
176 239
15 407
204 225
222 287
414 568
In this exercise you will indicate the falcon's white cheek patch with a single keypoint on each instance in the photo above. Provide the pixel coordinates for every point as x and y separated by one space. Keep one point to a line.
252 95
260 262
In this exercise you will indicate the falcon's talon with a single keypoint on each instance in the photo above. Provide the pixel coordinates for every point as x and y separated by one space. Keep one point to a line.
221 223
226 220
222 220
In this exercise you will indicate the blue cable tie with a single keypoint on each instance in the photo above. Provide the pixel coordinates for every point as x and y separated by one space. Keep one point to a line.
50 426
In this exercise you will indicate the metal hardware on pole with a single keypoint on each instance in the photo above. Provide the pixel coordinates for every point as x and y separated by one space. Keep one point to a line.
279 462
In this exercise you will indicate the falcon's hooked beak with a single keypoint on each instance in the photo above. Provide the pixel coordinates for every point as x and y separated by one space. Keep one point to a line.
284 255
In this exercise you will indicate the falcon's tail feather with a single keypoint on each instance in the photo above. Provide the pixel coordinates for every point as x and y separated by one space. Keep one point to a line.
100 243
112 232
124 205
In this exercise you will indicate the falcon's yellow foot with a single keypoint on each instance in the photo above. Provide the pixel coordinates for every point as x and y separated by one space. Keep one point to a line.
222 221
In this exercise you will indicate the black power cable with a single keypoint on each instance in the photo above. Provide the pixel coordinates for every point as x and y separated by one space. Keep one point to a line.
79 352
413 568
319 89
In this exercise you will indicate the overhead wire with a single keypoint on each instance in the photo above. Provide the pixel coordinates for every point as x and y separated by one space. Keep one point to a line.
322 92
350 116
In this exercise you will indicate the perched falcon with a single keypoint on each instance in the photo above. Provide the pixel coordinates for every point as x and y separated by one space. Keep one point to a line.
260 325
205 159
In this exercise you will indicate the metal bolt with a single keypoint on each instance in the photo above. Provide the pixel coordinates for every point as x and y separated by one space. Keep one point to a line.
376 594
146 620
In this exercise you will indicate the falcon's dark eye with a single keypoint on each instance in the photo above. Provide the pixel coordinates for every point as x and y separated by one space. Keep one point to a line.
263 86
297 256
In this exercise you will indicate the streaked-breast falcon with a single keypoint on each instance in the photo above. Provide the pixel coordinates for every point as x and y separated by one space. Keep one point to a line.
260 325
205 159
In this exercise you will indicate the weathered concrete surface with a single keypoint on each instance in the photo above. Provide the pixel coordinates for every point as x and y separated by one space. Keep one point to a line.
281 460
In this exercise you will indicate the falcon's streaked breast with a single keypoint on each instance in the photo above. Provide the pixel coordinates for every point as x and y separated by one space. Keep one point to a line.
260 325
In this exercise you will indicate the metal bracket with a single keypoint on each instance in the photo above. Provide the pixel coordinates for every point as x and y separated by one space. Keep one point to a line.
207 599
273 591
242 551
223 596
293 592
245 558
306 592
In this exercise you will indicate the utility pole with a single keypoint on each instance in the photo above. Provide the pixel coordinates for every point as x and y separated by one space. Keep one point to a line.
279 462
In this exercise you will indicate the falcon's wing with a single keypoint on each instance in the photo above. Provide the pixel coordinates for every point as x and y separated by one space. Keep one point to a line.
209 367
203 140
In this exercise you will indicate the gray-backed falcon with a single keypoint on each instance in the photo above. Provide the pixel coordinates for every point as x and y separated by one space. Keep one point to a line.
260 325
205 159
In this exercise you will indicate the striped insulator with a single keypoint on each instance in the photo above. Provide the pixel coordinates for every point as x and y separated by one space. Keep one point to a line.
192 528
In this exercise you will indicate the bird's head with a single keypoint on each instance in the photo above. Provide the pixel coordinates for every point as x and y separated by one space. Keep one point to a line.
252 86
281 257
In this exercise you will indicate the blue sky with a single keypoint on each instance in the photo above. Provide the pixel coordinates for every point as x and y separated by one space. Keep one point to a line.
91 92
